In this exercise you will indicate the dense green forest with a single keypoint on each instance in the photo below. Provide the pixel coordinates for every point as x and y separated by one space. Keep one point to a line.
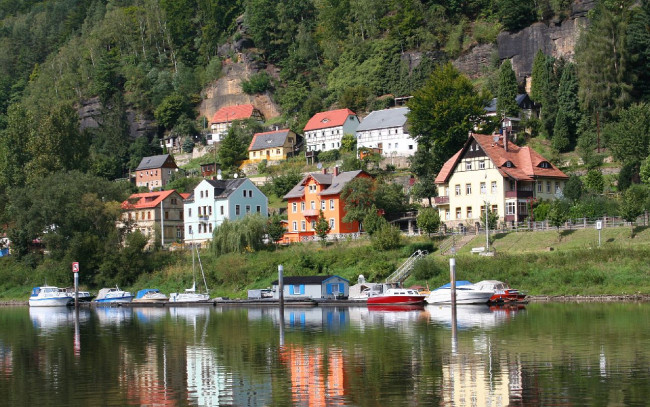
153 58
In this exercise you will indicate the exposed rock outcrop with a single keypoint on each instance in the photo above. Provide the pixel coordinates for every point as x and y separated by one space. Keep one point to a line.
474 63
90 113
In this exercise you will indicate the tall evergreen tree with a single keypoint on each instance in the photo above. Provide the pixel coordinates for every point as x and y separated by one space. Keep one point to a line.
507 93
567 98
561 132
232 150
539 77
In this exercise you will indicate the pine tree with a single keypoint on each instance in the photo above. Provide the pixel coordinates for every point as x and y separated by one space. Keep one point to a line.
539 77
561 132
568 102
232 150
507 93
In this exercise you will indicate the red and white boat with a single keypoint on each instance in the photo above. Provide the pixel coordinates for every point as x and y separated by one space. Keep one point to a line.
396 296
502 291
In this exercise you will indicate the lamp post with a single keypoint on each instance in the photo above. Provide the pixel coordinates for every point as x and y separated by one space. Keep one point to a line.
487 227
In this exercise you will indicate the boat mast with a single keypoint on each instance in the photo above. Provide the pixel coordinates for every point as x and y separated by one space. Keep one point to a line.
202 273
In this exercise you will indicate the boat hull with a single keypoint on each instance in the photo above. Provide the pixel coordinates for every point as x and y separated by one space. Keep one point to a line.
188 297
116 300
443 296
50 302
396 300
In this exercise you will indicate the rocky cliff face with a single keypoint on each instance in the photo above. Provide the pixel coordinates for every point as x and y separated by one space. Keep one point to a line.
555 38
90 117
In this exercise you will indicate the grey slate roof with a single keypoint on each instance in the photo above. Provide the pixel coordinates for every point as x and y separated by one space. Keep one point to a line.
155 161
492 106
269 139
384 119
224 187
336 184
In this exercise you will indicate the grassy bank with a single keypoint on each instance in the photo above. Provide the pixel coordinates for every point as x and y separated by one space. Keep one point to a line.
574 266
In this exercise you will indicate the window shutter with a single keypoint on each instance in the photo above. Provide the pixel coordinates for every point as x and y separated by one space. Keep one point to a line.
302 289
291 289
329 288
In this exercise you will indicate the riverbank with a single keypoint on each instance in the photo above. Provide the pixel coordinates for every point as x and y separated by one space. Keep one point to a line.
575 268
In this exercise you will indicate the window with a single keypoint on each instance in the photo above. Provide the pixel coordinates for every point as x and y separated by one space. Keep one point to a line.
244 191
210 210
259 209
494 187
302 206
323 205
457 189
295 226
221 210
250 193
468 189
540 186
447 214
458 213
396 145
189 212
210 228
332 224
483 188
512 185
201 193
469 212
313 204
331 204
303 225
189 229
548 187
495 208
294 207
207 193
237 210
410 146
468 165
149 215
509 164
557 187
481 165
510 208
248 209
166 215
313 225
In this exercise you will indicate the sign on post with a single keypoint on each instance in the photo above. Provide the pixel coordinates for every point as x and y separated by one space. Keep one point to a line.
75 267
599 224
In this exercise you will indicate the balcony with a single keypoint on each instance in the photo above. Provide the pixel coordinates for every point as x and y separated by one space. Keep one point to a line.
519 194
441 200
310 212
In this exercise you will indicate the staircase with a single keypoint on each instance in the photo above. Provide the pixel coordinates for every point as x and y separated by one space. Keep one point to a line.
455 242
405 269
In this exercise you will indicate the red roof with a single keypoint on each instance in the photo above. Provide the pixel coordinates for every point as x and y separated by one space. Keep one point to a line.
230 113
146 200
185 195
332 118
525 161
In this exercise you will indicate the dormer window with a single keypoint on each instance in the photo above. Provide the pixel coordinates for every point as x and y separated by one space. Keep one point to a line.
544 164
509 164
325 120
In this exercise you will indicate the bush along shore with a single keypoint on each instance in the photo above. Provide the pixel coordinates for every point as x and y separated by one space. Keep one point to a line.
617 270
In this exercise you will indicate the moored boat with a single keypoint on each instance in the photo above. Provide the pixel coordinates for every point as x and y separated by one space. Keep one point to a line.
466 293
150 296
190 295
502 291
396 296
82 296
112 296
47 296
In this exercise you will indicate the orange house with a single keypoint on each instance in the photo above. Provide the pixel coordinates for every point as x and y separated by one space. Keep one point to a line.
319 192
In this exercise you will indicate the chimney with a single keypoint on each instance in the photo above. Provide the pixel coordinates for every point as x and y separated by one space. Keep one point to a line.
336 171
505 140
324 170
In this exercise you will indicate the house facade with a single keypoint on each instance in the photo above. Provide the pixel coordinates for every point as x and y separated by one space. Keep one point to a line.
155 171
325 130
314 193
224 117
315 287
272 145
383 131
491 171
213 201
155 212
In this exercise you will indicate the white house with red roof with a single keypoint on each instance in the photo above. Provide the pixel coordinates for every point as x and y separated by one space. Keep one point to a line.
325 130
490 170
155 212
224 117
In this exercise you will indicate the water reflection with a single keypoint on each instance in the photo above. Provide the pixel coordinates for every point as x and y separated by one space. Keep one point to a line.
473 316
49 319
213 356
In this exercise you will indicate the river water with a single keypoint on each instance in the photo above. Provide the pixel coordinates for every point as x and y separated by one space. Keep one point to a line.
537 355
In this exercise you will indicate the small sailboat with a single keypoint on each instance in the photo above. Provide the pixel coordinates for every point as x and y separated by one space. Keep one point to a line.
190 295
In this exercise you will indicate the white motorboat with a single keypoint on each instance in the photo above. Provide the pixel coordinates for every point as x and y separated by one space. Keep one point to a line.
466 293
47 296
190 295
82 296
113 295
150 295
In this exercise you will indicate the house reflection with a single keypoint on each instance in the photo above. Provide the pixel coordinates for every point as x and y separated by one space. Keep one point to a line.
329 318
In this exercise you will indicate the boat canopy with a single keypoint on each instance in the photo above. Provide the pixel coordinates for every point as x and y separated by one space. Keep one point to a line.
144 292
458 284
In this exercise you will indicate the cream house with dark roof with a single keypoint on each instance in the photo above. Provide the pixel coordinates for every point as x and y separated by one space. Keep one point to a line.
489 170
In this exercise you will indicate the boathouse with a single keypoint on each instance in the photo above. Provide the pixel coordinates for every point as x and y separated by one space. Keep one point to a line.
314 287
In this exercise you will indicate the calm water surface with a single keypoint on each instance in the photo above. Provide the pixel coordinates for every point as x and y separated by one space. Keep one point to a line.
540 355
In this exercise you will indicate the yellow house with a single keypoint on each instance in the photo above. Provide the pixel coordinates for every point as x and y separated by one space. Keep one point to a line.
489 170
272 145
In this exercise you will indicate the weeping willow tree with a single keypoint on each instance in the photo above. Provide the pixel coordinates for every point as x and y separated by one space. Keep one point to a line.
246 234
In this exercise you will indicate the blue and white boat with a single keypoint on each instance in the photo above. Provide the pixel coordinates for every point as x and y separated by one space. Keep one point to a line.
47 296
150 295
466 293
113 296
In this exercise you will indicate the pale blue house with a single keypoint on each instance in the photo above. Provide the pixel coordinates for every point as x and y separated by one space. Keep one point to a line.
213 201
314 287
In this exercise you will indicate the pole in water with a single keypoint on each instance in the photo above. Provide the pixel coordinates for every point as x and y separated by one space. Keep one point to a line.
452 277
281 286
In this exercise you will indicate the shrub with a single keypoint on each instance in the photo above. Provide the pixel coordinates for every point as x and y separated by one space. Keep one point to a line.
427 268
329 156
386 238
411 248
257 83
